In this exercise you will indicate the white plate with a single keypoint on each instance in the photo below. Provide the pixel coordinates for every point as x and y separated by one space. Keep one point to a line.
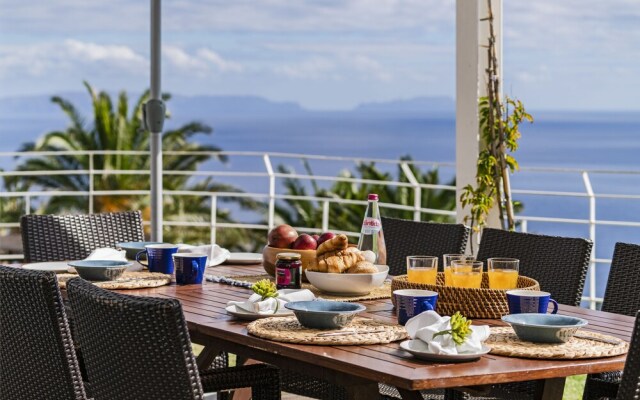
418 349
243 314
244 258
55 266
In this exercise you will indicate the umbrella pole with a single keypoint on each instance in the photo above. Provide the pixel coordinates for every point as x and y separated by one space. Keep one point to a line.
155 113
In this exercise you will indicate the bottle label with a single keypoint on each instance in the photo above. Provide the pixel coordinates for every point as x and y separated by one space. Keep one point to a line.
371 226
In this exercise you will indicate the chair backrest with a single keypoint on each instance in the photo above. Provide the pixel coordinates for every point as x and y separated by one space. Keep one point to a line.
559 264
37 356
630 386
405 237
133 347
621 295
73 237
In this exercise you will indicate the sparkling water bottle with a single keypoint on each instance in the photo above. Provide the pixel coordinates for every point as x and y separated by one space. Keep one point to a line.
371 241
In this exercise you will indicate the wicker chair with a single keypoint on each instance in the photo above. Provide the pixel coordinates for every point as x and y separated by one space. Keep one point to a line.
630 385
559 264
139 348
37 357
621 298
73 237
404 237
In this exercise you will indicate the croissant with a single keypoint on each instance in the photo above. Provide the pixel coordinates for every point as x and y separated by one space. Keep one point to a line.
362 267
337 243
337 262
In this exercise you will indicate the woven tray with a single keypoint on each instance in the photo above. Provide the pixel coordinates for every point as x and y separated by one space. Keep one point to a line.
382 292
128 280
288 330
503 341
472 303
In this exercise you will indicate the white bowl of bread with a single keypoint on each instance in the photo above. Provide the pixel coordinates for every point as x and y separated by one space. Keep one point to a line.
342 270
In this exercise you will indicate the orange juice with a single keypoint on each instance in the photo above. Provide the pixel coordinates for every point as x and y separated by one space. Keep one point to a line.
422 275
503 279
466 279
448 279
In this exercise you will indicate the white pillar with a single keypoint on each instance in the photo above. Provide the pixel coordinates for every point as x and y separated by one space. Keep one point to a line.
471 63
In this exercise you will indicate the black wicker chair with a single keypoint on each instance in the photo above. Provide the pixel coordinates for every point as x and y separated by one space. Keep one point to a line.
621 297
405 237
73 237
139 348
559 264
630 385
37 356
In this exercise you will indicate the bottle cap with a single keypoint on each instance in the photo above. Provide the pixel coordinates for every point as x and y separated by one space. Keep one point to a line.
373 196
288 256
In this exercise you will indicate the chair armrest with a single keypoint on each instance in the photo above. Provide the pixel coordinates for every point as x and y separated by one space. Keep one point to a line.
264 380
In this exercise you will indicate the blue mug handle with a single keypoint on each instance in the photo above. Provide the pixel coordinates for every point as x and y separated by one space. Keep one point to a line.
147 264
428 305
555 306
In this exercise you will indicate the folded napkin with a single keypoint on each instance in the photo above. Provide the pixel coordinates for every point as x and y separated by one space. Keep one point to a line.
217 255
271 305
107 253
423 326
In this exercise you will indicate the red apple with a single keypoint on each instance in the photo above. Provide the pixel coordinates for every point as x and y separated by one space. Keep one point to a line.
304 242
282 236
316 237
325 236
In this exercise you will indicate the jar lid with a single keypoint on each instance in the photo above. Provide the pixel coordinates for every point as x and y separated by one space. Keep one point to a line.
288 256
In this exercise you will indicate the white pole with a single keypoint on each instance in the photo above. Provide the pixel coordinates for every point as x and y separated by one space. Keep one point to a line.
154 115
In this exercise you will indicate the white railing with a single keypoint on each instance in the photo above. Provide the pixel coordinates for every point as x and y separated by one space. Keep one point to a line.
271 195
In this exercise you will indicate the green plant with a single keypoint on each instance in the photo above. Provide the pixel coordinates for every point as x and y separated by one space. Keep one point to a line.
460 328
499 129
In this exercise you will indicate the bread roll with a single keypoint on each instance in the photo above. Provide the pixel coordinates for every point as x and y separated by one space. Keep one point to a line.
362 267
337 243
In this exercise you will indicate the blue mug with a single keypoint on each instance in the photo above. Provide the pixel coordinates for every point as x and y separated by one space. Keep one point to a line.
530 301
189 267
159 257
411 302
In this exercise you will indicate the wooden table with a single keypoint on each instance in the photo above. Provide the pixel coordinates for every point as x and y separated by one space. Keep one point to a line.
360 368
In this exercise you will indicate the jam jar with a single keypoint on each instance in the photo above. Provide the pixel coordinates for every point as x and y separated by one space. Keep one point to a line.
288 271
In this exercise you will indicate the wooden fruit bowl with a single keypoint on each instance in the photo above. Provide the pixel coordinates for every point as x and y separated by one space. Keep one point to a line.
269 259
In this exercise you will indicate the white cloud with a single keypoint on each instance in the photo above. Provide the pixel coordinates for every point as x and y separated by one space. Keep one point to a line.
219 62
337 68
103 53
311 68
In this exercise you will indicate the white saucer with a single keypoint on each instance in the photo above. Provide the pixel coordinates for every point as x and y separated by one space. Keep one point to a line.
244 258
242 314
55 266
418 349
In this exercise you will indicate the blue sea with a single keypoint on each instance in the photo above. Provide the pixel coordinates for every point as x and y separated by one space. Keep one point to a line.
603 141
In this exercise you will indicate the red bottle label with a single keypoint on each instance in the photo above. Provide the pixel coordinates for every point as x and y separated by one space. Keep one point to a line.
371 225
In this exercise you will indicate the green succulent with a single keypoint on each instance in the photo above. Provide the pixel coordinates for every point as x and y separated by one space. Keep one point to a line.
265 288
460 328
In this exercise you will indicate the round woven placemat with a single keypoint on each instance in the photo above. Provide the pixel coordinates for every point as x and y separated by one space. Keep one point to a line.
128 280
289 330
471 302
382 292
504 342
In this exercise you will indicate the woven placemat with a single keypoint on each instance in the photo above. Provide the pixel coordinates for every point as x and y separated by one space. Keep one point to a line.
128 280
382 292
503 341
289 330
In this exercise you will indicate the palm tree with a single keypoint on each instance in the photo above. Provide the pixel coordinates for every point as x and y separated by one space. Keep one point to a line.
120 128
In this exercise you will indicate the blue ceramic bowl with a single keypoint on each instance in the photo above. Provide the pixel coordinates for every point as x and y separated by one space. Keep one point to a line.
132 248
100 270
323 314
544 328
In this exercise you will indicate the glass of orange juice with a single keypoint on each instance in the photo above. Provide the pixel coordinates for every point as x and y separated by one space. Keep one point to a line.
503 273
422 269
448 259
466 273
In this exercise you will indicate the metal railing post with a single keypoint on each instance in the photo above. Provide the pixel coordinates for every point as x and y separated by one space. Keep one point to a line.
27 204
91 176
592 236
417 191
325 216
214 218
272 191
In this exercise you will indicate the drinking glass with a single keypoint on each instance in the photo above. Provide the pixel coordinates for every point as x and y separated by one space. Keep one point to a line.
466 274
422 269
503 273
448 258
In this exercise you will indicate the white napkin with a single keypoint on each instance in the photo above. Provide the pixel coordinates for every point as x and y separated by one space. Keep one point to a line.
217 255
270 305
107 253
423 326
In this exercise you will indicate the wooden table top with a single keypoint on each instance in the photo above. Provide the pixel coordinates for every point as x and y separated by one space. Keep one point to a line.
204 308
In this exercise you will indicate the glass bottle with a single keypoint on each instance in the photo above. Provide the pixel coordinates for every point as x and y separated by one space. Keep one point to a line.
371 236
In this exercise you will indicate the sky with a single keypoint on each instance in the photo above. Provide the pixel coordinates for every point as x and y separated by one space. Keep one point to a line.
323 54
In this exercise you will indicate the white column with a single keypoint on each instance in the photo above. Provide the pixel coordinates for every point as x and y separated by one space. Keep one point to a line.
471 63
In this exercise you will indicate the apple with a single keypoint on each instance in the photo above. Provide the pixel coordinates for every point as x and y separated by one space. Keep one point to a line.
316 237
282 236
304 242
325 236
